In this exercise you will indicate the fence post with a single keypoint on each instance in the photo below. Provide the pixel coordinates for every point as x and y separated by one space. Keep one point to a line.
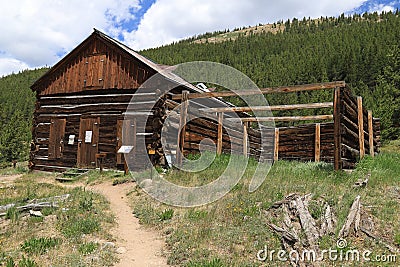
219 137
182 123
317 142
276 145
360 126
245 138
371 134
337 130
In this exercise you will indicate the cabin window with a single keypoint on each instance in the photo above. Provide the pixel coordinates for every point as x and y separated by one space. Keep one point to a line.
94 71
56 138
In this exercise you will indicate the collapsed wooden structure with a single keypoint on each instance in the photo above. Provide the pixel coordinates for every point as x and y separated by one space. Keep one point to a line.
90 100
350 134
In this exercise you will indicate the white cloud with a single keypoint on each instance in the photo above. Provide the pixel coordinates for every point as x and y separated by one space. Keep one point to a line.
170 20
10 65
382 7
38 32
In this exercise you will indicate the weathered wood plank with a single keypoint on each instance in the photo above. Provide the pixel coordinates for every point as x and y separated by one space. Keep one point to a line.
371 134
285 89
276 145
317 142
360 126
271 108
337 129
286 118
219 138
182 123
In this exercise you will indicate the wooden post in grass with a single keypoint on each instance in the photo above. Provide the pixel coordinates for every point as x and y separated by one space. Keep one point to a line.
371 134
219 137
182 130
337 130
317 142
276 145
360 126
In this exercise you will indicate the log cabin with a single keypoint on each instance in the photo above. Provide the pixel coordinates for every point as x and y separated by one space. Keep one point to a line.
92 103
82 103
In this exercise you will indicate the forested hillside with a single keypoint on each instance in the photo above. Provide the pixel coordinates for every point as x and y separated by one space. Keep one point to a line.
17 104
362 50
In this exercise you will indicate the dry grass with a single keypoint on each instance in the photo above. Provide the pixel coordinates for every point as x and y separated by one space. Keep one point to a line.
232 230
82 219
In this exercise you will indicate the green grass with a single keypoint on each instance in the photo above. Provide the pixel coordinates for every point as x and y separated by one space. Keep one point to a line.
397 238
22 168
27 262
95 177
39 245
391 147
88 248
165 215
212 263
234 228
82 216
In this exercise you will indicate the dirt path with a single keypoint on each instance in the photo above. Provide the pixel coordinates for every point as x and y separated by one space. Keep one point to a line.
138 247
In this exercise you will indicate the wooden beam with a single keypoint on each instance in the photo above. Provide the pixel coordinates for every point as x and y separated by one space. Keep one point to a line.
182 122
337 131
271 108
219 139
360 126
276 145
317 142
245 138
290 118
371 134
272 90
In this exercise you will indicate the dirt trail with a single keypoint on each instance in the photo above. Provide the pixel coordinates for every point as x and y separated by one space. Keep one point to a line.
138 247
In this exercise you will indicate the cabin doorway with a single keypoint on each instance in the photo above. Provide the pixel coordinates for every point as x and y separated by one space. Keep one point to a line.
88 142
56 140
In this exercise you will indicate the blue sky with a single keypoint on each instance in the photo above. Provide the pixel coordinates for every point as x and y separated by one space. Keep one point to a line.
39 33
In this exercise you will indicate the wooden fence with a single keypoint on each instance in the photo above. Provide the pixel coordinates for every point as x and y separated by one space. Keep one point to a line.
350 133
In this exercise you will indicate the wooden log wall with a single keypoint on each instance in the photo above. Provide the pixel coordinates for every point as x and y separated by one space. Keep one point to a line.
360 134
306 142
198 128
110 108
